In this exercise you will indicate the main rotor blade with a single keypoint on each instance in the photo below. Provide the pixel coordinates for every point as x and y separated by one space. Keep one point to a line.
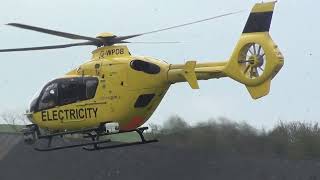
150 42
53 32
48 47
95 41
119 38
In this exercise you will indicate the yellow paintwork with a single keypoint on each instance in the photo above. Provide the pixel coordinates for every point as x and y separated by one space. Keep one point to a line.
190 75
120 85
273 64
263 7
105 34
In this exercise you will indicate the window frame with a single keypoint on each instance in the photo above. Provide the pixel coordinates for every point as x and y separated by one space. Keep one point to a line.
59 82
42 94
145 66
73 99
144 100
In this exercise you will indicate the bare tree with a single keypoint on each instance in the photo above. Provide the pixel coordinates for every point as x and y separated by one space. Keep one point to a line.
13 119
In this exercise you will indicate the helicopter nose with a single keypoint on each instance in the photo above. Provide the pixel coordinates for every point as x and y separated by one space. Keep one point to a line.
29 116
32 107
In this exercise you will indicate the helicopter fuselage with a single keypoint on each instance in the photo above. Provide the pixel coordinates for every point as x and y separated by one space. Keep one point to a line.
128 90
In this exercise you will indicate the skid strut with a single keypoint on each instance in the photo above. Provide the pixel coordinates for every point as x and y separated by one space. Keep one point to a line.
93 135
139 131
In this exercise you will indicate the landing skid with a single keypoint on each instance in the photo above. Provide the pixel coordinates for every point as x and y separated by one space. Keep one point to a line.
139 131
70 146
117 145
32 134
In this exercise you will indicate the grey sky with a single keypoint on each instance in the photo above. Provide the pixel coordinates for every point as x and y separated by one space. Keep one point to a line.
294 92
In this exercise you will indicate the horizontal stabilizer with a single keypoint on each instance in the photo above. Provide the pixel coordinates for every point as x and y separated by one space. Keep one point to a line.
190 75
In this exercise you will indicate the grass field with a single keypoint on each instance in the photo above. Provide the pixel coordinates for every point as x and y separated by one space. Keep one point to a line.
6 128
126 137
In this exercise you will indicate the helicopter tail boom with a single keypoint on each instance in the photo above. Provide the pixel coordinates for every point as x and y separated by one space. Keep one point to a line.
254 62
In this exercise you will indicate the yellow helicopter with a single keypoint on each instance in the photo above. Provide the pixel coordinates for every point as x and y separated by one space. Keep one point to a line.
116 92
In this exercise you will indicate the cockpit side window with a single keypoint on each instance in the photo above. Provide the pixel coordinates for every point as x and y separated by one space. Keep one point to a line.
77 89
91 86
66 91
144 66
71 90
49 98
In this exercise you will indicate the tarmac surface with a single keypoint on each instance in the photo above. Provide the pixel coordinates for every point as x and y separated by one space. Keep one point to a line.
7 142
162 160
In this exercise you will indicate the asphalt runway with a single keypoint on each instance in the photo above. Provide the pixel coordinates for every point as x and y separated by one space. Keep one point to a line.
163 160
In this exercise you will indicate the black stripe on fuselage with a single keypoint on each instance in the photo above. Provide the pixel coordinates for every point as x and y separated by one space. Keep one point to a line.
258 22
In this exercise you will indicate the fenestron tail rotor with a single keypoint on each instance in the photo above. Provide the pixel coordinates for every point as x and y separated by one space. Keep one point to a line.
104 39
256 58
252 58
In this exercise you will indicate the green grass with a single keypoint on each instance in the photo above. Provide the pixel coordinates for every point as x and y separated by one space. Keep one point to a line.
128 137
6 128
125 137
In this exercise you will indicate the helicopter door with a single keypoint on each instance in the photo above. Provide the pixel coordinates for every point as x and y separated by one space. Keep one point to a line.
75 95
71 90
